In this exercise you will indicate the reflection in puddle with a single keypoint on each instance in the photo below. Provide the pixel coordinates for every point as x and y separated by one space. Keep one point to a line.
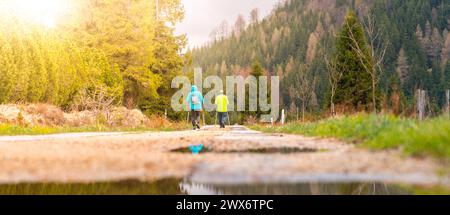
273 150
182 187
130 187
295 189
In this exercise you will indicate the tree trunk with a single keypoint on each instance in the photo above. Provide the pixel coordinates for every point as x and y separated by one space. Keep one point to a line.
447 95
374 101
303 112
333 110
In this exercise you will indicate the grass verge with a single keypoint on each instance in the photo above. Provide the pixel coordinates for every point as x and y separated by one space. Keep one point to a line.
427 138
15 130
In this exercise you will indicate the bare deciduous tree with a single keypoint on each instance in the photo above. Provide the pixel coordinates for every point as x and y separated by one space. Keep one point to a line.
334 76
98 100
254 16
239 26
373 60
223 30
304 88
213 35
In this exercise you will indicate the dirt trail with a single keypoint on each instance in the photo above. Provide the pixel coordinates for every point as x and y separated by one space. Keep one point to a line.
235 155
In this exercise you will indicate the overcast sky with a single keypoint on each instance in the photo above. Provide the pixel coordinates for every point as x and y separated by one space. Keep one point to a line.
202 16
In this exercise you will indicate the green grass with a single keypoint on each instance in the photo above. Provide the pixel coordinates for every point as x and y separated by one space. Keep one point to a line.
427 138
15 130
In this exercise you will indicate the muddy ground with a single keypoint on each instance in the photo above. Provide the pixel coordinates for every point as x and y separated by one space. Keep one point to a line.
234 155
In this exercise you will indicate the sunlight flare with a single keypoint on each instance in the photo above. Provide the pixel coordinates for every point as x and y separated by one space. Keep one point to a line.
43 12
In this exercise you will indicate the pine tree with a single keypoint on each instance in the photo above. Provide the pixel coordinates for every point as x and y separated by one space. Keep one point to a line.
312 46
283 39
239 26
140 43
276 36
256 71
6 69
419 35
254 16
445 55
402 67
223 69
354 86
436 43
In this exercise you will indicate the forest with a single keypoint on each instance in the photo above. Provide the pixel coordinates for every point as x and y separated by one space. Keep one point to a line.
127 52
357 55
87 104
124 50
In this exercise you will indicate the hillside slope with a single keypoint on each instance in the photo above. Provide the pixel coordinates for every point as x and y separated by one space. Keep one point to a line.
299 33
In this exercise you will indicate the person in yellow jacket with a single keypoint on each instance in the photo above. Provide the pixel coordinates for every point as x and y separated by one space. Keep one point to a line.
222 108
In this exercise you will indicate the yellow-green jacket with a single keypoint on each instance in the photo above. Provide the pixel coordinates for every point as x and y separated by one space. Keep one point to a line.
222 103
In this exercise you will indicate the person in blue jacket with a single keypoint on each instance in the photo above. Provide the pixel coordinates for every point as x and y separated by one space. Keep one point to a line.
195 106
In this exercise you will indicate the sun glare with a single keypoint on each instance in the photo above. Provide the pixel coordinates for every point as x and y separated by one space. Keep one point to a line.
43 12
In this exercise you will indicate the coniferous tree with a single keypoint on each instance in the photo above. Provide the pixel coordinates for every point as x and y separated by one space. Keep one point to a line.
354 86
256 72
445 55
284 39
108 44
402 67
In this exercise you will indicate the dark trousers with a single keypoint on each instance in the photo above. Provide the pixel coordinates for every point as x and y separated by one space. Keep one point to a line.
195 118
222 118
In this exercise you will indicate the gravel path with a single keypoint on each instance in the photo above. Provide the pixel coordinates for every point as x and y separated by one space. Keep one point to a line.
234 156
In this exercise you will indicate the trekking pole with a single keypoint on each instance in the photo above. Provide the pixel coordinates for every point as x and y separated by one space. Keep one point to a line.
204 120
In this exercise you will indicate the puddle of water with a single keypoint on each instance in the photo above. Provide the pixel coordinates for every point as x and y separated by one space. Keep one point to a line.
189 151
274 150
182 187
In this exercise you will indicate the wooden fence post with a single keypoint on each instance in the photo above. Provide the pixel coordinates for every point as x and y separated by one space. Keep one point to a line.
421 97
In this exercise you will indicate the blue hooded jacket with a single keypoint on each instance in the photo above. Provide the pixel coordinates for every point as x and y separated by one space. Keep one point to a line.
195 99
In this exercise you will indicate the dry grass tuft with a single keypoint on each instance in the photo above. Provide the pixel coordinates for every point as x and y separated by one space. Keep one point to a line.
52 116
